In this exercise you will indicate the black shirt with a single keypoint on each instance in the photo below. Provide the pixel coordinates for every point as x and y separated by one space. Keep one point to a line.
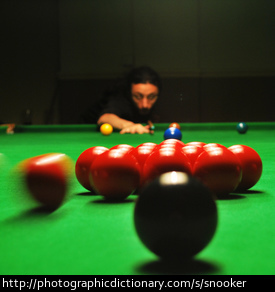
116 104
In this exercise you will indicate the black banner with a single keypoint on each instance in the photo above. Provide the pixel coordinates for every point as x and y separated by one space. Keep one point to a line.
87 283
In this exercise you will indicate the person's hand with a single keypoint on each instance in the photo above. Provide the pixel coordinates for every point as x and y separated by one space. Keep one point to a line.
136 129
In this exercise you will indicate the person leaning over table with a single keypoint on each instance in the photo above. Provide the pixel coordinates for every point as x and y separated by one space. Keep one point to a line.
130 105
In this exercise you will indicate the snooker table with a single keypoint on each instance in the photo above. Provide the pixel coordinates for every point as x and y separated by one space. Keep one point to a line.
89 236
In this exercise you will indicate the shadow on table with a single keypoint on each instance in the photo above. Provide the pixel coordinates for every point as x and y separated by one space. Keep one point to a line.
230 197
250 192
238 195
109 201
98 199
192 266
34 215
87 193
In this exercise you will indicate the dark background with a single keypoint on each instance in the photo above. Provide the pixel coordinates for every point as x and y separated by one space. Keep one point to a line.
216 57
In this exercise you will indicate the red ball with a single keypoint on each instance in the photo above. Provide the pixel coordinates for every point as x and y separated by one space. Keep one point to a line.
123 147
251 164
210 145
196 143
165 159
83 165
115 174
171 142
147 144
192 152
47 178
218 169
141 152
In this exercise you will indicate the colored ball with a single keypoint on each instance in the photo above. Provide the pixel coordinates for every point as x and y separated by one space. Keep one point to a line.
172 133
242 128
83 165
165 159
175 216
142 152
115 174
196 143
174 125
192 152
106 129
123 147
251 165
147 144
171 142
47 178
218 169
211 145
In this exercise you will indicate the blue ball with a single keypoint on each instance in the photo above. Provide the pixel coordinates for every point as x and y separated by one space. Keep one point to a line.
242 128
172 133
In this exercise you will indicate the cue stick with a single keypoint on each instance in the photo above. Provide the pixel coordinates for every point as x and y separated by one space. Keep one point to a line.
152 127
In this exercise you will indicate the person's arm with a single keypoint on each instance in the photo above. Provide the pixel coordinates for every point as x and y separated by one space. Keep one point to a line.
123 125
114 120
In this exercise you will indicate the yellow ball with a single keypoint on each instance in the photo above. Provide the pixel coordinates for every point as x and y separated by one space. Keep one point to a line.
106 129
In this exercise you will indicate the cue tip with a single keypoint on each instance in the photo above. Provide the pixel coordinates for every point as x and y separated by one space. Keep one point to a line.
151 127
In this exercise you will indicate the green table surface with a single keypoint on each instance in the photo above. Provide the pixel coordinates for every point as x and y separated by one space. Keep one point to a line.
88 236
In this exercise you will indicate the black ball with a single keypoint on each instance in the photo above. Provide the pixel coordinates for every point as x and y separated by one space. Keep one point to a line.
175 216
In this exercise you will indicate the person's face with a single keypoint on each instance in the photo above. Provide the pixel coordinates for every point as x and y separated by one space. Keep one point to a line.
144 96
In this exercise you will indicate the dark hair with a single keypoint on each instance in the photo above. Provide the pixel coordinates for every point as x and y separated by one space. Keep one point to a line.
143 75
